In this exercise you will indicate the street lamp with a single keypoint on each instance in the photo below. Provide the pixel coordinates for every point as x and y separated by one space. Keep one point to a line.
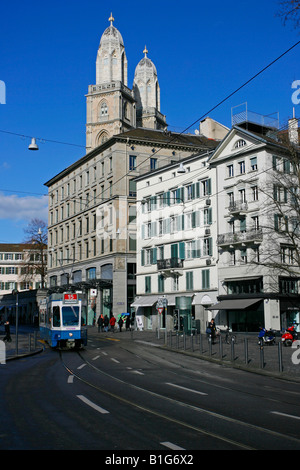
33 145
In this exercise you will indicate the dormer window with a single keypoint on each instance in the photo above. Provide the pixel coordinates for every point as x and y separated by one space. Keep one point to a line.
240 143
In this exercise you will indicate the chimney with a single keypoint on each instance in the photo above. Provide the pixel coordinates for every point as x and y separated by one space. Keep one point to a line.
293 130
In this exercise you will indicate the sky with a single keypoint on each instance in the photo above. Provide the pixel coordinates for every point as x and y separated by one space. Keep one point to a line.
203 52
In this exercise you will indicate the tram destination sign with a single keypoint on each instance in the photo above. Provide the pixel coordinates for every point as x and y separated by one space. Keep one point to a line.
70 298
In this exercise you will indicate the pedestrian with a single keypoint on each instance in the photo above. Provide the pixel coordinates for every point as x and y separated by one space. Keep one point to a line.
213 329
7 336
106 323
120 322
112 323
100 323
127 323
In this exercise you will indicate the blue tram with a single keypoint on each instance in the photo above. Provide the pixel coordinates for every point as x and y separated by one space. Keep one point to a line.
63 320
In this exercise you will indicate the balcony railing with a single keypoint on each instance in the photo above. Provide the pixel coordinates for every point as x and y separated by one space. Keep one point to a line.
236 207
170 263
254 235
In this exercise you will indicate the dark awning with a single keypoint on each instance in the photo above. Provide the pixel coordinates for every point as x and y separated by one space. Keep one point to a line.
234 304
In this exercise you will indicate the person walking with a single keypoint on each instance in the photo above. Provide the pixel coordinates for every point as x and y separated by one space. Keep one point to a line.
120 322
7 336
127 323
106 323
112 323
213 329
100 323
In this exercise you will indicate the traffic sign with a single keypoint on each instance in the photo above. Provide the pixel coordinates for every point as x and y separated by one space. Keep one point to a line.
160 310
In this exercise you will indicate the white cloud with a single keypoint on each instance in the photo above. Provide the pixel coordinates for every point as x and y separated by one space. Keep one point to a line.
13 207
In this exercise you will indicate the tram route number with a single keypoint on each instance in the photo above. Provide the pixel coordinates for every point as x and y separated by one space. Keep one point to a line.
70 298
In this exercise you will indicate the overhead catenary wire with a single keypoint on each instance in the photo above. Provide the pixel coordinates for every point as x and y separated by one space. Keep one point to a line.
187 128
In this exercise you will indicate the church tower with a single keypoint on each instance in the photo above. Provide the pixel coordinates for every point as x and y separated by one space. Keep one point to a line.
111 107
147 94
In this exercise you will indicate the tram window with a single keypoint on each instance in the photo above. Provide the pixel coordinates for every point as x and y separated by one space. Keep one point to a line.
56 316
70 316
83 315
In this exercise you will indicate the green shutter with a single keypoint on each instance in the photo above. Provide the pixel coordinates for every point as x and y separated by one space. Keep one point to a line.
181 250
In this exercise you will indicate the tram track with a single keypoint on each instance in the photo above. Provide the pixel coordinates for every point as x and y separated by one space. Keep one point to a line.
216 416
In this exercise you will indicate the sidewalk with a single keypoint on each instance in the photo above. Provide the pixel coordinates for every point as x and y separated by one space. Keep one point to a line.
282 363
28 345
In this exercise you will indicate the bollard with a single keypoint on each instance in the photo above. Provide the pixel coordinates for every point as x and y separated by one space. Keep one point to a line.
192 342
280 357
209 345
232 349
220 347
184 341
262 361
200 343
246 351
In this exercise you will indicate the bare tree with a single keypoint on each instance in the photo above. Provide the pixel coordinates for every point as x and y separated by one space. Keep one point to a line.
36 262
289 12
280 215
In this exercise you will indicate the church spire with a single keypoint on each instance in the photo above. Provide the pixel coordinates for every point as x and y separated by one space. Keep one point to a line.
111 19
145 51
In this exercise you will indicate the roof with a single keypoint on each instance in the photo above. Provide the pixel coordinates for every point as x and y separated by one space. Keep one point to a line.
15 247
143 136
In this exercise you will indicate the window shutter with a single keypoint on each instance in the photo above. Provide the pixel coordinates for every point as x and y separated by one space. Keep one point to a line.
182 250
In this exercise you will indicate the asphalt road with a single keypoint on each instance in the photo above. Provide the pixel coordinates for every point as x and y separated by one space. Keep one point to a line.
123 395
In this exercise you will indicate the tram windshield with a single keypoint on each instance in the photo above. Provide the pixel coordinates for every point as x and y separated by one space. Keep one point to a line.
70 316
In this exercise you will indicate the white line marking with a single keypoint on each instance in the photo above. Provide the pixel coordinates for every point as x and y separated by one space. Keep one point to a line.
115 360
92 405
187 389
82 366
70 379
104 353
94 358
172 446
137 372
284 414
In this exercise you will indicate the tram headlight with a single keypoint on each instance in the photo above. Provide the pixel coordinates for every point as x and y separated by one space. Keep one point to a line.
70 334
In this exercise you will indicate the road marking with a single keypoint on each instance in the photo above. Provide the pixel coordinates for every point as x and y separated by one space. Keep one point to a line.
115 360
82 366
70 379
94 358
284 414
187 389
92 405
104 353
137 372
172 446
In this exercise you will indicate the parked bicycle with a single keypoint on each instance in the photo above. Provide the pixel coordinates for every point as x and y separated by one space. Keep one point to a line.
229 336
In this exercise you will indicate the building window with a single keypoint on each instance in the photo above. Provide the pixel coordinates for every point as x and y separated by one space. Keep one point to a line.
153 163
242 167
132 162
91 273
240 143
253 163
230 172
288 285
161 283
148 285
205 279
104 109
189 280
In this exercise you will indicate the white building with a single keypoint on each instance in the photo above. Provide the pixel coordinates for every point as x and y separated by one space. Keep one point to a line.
254 180
19 264
176 243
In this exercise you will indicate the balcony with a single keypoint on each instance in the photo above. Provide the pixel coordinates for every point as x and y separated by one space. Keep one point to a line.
249 236
171 263
237 207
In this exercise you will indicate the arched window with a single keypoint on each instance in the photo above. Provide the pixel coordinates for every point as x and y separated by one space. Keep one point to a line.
104 109
240 143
